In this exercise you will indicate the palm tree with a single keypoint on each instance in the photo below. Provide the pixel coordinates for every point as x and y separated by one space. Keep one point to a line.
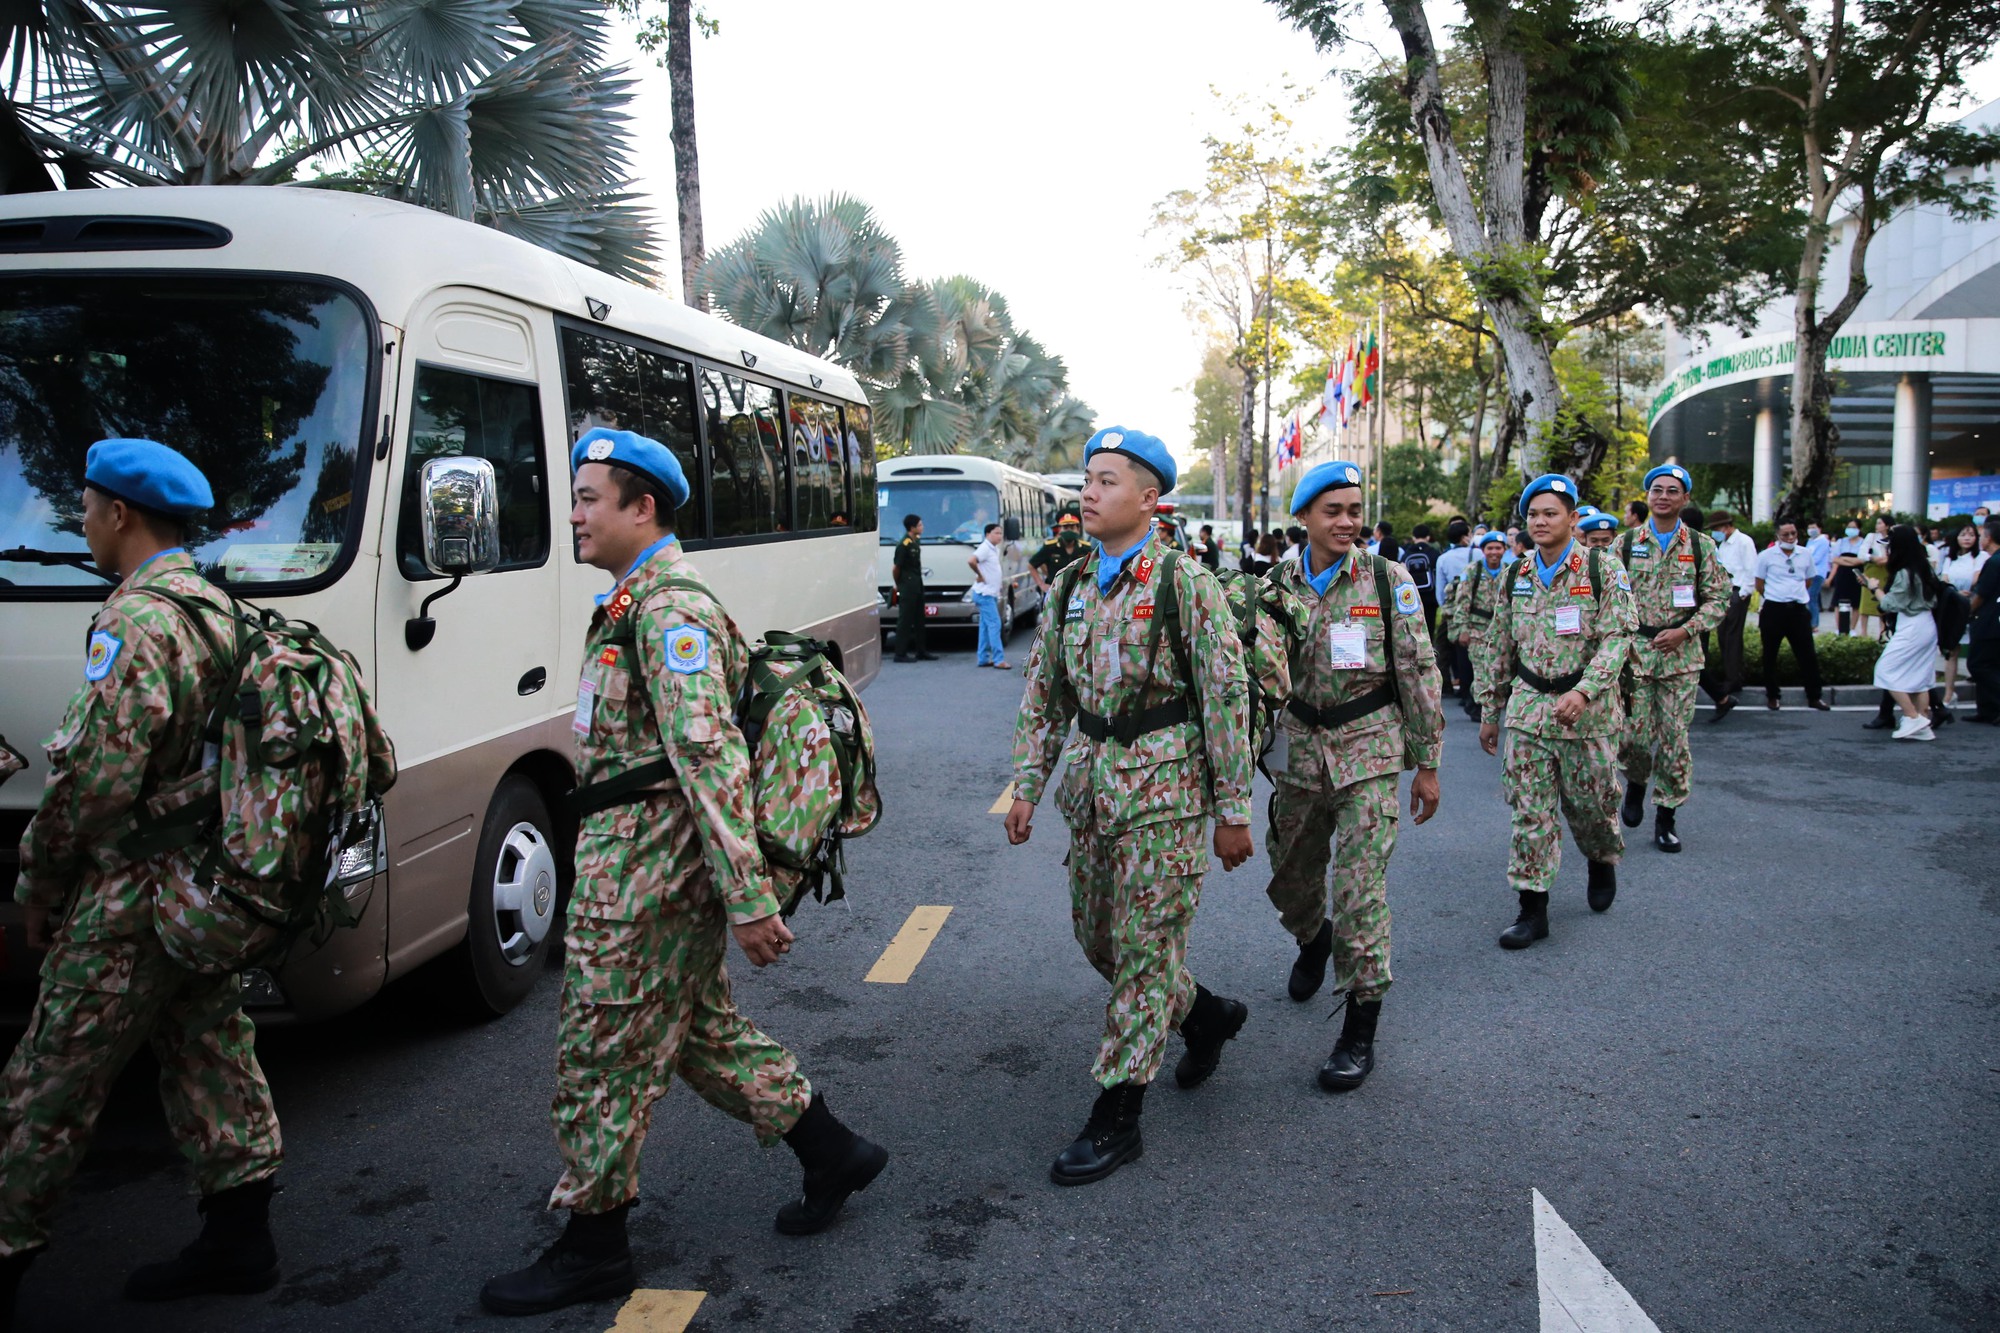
501 111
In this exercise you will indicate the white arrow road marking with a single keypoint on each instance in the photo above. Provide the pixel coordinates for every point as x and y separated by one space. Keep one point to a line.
1579 1295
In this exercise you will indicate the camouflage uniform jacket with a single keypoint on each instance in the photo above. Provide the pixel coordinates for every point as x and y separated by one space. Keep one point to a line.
1655 574
1406 734
1528 628
1474 596
133 728
1099 652
677 700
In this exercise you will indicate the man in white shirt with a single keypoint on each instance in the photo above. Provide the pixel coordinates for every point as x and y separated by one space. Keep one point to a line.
1735 552
1784 575
1820 549
987 584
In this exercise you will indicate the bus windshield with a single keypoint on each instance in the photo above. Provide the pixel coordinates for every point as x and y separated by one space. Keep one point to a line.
952 511
262 383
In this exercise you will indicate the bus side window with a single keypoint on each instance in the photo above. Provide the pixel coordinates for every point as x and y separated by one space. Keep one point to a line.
746 456
455 413
621 387
816 462
861 465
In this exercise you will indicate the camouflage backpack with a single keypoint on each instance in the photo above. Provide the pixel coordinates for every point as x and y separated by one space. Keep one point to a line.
812 753
287 799
1266 624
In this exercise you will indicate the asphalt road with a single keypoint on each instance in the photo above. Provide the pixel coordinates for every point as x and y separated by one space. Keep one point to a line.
1764 1089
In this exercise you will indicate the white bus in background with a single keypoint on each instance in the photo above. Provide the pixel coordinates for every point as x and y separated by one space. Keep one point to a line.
957 495
312 350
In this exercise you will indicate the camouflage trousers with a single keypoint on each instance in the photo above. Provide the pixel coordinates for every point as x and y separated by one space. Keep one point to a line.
99 1002
1132 898
1364 817
1542 772
1656 736
645 997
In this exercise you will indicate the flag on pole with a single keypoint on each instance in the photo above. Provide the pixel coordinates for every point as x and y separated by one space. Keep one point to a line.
1330 399
1288 442
1374 364
1347 384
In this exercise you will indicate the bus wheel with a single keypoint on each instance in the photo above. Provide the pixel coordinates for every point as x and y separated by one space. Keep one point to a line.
515 884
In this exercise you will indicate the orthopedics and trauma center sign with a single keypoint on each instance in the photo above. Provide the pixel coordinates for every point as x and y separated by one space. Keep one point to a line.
1938 345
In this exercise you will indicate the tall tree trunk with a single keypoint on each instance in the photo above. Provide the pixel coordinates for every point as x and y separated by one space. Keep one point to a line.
1815 437
1494 252
687 170
1246 444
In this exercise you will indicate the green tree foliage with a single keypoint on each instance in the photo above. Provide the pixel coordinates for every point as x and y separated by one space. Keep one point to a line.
945 366
500 111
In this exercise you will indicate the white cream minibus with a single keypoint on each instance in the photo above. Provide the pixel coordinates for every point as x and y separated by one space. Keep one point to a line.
312 351
957 495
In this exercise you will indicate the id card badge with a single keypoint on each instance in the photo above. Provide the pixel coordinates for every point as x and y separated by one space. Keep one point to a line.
586 707
1347 647
1569 620
1683 594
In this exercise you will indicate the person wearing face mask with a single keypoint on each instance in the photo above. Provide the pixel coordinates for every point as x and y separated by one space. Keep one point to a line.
1849 554
1819 549
1783 571
1874 572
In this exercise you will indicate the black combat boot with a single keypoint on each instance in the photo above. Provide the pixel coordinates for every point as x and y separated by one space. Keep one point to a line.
1603 885
1531 925
12 1269
234 1253
837 1161
1309 972
1110 1137
1664 836
1211 1020
1634 808
1354 1054
590 1261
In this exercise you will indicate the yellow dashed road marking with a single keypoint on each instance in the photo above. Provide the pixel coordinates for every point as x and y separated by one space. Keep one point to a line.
657 1312
1005 803
907 949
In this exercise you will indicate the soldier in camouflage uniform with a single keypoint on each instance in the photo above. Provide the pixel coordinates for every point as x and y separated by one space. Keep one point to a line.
1478 591
1557 646
108 985
1162 741
1681 591
667 867
1366 704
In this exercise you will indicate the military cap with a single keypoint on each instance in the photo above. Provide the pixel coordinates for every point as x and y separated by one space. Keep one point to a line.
148 474
1494 537
1674 470
1143 449
1323 477
1549 483
1069 521
1597 521
649 458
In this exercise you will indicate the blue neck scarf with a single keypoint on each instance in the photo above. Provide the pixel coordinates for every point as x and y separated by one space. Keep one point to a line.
1547 573
1110 566
644 556
1495 572
1665 539
1324 579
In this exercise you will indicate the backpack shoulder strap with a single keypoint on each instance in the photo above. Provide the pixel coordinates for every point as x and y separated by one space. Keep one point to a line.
1625 542
1596 576
1386 602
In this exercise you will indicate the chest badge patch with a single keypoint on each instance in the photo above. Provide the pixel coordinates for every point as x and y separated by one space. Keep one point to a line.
1580 590
1367 612
687 649
1522 588
1143 612
1407 600
1076 604
104 649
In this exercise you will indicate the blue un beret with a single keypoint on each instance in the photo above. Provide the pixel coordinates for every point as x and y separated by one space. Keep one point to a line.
1323 477
1674 470
1143 449
1494 538
150 475
1549 483
648 458
1597 520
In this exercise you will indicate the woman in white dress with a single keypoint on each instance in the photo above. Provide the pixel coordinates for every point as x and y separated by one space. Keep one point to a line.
1961 565
1907 667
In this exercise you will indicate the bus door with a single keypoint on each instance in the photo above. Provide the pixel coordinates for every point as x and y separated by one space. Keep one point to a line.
478 379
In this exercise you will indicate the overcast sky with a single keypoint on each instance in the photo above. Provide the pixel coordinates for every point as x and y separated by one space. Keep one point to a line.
1023 144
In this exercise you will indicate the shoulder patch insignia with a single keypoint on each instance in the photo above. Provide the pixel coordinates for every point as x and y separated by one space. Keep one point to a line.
1407 600
103 653
687 649
1623 580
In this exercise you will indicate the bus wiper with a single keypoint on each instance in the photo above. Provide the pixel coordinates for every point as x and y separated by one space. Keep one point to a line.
29 555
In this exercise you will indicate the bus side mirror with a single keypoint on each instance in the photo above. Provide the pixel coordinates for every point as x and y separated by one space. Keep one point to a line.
459 504
1010 528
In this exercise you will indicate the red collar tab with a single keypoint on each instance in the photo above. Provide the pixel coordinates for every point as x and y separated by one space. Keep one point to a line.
1576 560
1142 569
615 609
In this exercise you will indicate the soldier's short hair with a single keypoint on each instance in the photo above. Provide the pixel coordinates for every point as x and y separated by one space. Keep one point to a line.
634 485
911 520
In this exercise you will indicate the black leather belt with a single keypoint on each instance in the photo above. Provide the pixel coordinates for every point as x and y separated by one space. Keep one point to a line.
1562 684
1341 714
1129 727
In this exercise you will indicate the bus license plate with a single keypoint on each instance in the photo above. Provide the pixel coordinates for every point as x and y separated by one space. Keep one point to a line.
930 609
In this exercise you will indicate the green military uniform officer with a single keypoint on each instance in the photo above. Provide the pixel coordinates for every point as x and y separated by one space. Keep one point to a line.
667 867
908 566
1478 591
1680 592
1058 552
1366 704
1553 658
108 985
1140 652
